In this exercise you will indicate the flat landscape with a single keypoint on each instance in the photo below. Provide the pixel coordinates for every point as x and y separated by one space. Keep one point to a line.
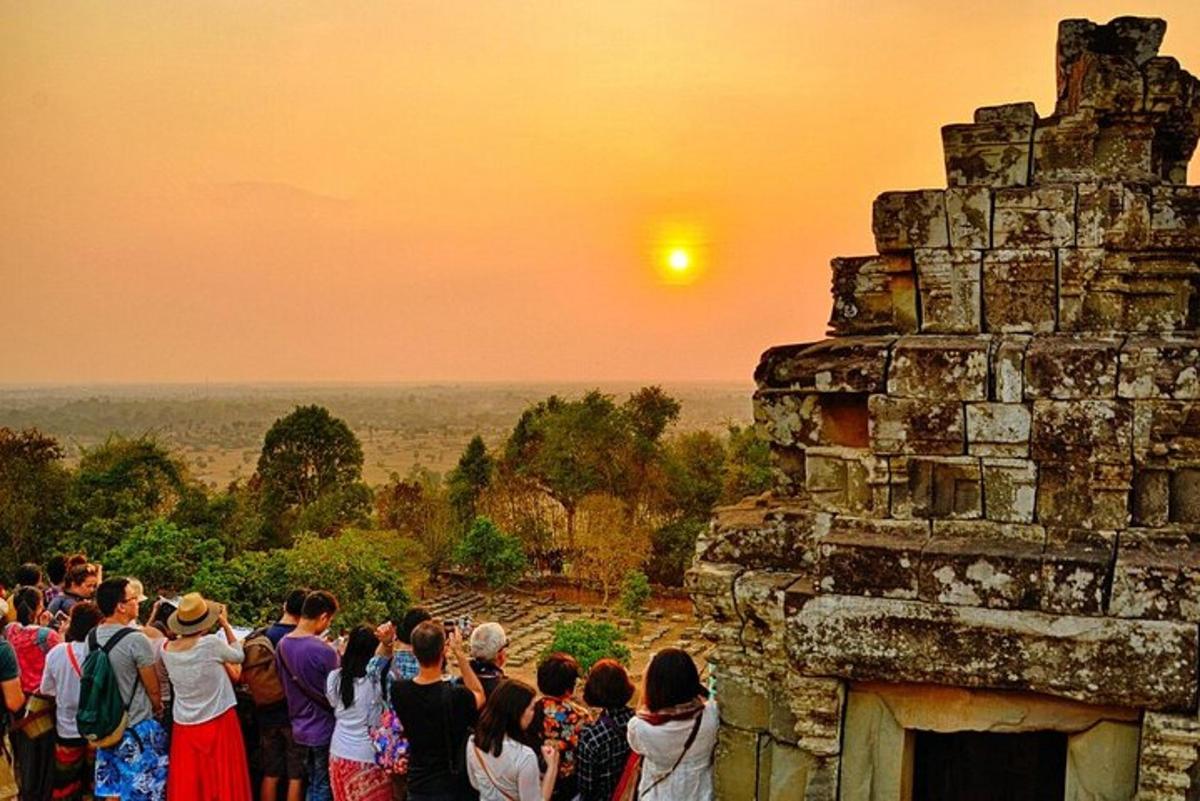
219 428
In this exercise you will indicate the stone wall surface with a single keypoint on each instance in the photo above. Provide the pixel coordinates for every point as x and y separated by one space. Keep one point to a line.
989 475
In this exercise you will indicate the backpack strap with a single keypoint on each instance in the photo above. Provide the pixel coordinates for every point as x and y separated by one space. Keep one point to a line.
120 634
686 746
74 661
309 692
491 778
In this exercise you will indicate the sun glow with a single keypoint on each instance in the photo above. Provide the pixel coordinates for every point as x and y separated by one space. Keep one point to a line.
680 254
679 260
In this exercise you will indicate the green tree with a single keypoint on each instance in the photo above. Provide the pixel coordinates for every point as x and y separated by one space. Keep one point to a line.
469 479
120 484
163 556
673 545
748 467
497 556
589 642
635 593
610 542
696 470
307 457
418 507
33 491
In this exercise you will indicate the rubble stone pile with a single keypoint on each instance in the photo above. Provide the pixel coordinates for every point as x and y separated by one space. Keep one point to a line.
989 474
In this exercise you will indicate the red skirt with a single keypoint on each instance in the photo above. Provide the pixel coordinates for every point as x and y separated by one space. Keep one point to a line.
358 781
208 761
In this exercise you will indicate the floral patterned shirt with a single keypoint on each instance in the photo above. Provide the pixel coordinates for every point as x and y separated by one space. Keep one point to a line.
562 718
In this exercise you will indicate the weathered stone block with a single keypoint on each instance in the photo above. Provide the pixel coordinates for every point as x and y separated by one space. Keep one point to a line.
1160 368
939 368
1129 663
914 425
972 572
856 364
1009 490
1156 580
1107 83
800 419
1131 40
759 598
785 772
1115 215
746 700
1124 147
871 557
1075 575
906 220
998 429
847 480
1064 147
762 532
1170 757
1007 358
940 487
1034 217
735 765
1166 431
1070 367
1083 495
1019 291
1175 217
949 282
969 214
1087 430
808 711
1102 291
994 151
710 586
1151 497
874 295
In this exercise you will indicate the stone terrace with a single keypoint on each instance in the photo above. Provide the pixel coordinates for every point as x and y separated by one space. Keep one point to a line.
988 504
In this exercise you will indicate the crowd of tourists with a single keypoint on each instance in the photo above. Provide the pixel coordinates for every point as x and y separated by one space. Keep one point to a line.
179 707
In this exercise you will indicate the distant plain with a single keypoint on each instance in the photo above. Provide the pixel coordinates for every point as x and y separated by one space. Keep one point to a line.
218 428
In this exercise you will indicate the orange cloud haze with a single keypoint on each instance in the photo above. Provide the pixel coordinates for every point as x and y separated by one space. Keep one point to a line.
469 190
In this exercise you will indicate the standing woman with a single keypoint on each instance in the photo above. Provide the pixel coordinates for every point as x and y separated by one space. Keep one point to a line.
208 757
500 765
74 761
604 744
33 733
675 731
355 691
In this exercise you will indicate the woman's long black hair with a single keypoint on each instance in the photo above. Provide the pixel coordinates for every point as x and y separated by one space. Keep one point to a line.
501 716
28 601
359 650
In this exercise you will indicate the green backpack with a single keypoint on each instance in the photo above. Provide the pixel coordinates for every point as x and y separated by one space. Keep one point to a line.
103 712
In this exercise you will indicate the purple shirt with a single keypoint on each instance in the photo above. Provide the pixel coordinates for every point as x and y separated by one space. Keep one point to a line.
312 659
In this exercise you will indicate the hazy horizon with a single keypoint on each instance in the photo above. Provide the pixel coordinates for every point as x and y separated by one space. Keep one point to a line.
402 192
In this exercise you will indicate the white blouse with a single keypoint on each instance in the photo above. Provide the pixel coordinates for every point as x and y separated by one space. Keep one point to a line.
203 690
660 747
512 775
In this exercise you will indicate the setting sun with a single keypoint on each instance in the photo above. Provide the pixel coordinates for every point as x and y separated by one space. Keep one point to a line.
679 260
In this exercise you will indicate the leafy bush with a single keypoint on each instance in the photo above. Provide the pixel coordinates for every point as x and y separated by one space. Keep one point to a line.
498 556
635 592
163 555
589 642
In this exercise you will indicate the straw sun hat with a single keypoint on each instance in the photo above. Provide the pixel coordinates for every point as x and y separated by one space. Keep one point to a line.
194 615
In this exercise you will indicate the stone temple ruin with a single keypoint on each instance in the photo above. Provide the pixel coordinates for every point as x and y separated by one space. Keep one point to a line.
979 574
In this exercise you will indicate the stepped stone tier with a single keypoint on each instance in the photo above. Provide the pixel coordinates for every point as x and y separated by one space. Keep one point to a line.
987 513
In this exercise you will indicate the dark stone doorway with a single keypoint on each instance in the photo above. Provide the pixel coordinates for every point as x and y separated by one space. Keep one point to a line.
981 766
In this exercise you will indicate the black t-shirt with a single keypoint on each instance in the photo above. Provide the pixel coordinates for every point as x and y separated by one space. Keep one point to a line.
422 709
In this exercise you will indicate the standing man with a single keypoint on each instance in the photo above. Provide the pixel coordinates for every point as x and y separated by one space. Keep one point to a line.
79 585
489 650
281 757
135 769
305 661
437 716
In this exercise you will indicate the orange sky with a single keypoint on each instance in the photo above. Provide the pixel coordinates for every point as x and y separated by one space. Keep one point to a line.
380 191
